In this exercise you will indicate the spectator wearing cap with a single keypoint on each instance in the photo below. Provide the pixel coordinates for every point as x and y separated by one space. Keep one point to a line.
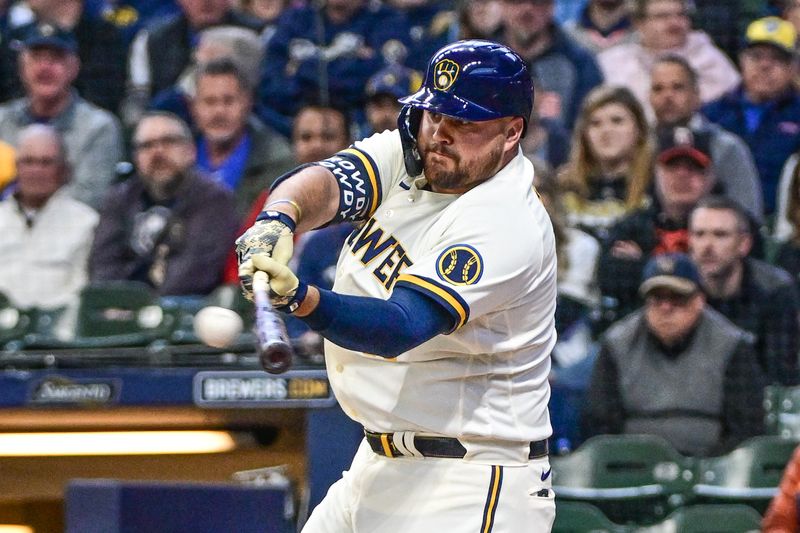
48 66
683 175
563 69
676 368
664 26
765 109
757 297
383 90
101 49
161 52
675 99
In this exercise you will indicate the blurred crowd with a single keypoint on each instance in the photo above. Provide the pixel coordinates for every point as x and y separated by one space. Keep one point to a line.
139 138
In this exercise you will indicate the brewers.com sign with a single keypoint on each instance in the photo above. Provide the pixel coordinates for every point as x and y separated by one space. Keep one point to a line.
259 389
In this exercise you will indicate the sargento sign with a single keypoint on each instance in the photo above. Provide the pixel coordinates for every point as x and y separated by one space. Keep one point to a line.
63 390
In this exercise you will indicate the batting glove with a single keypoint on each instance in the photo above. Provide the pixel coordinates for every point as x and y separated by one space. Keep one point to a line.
271 236
286 291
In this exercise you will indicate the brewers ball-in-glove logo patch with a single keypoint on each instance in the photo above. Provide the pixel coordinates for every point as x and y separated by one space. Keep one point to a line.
444 74
460 265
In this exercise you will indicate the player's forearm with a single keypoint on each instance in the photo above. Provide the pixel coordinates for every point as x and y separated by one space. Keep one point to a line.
371 325
314 191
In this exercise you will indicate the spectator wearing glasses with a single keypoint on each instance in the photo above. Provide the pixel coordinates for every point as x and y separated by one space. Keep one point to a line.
664 26
676 368
168 226
46 233
759 298
765 109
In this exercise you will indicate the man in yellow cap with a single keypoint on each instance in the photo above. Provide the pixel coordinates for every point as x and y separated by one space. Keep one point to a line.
765 109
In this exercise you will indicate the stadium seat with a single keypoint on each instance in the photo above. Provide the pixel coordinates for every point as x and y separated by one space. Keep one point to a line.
581 517
115 313
782 410
631 478
749 474
720 518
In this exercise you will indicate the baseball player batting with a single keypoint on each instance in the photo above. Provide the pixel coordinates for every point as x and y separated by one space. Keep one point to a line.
440 322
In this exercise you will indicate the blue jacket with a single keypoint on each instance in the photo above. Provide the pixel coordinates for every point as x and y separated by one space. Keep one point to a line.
292 66
772 142
429 27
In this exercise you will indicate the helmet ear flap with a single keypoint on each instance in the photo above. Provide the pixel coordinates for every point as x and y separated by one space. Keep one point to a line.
408 125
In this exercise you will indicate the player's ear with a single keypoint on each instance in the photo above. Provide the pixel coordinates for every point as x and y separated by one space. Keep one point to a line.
514 129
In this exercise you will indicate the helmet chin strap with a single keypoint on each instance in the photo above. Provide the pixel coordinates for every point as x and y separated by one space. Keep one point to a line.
408 125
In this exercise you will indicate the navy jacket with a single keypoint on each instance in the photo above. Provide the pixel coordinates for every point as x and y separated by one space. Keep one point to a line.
292 66
774 140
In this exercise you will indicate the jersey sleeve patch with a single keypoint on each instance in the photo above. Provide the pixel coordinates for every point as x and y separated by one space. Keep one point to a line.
442 294
359 184
460 264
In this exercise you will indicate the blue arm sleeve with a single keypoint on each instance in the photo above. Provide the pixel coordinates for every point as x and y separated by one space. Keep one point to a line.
379 327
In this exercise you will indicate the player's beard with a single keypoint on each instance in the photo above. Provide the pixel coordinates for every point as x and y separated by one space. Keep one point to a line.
462 174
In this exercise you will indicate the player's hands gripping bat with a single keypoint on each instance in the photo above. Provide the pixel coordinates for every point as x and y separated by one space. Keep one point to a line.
271 236
272 343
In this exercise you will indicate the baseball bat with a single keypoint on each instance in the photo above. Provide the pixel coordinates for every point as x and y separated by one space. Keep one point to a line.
272 342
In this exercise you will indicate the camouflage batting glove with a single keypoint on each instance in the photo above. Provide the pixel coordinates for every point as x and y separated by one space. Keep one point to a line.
271 236
286 291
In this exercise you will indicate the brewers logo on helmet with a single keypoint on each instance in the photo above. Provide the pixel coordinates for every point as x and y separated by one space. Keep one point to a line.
445 74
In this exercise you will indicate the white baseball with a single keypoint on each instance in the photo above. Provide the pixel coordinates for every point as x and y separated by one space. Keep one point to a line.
217 326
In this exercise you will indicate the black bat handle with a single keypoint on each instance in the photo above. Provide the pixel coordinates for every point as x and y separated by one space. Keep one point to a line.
272 342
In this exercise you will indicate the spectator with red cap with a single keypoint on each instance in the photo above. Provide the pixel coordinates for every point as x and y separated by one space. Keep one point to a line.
683 175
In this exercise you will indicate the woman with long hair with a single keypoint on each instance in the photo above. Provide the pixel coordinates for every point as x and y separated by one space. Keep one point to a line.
610 166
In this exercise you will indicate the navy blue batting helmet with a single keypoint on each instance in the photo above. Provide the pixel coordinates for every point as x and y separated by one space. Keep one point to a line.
475 80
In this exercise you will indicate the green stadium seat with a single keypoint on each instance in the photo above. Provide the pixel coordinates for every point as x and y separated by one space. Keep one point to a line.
719 518
782 410
749 474
112 314
631 478
581 517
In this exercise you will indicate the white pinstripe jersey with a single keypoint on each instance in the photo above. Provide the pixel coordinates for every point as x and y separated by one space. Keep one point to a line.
488 256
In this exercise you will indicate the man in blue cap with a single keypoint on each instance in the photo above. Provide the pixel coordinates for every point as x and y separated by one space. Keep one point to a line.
384 89
440 323
48 66
676 368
